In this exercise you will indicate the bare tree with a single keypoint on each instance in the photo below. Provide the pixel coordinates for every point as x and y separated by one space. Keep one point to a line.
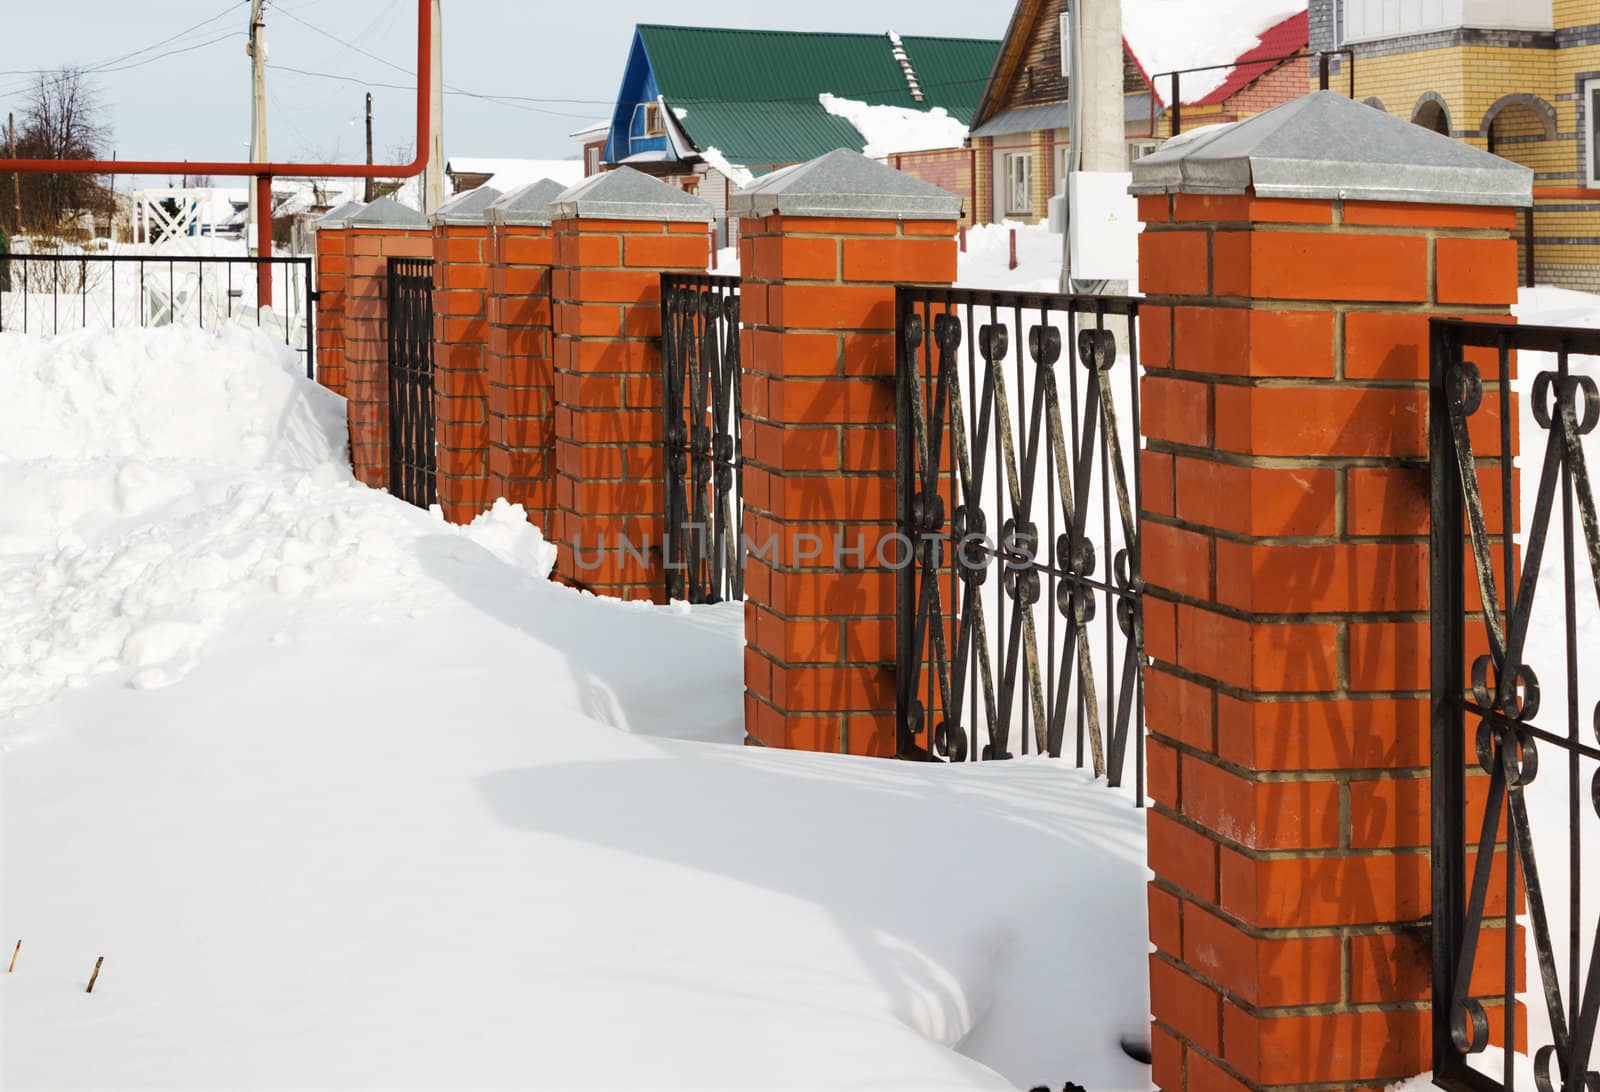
63 117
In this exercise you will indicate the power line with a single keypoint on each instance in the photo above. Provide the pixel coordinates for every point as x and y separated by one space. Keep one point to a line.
448 87
499 99
105 65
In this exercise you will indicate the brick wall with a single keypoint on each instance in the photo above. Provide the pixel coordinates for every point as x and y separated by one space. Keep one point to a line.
521 362
461 369
950 169
333 261
606 289
1285 530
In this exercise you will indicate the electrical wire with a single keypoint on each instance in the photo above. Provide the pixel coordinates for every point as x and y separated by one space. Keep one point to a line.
403 87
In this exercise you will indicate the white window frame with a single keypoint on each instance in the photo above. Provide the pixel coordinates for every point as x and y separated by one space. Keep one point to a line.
1591 121
1138 149
1018 187
591 161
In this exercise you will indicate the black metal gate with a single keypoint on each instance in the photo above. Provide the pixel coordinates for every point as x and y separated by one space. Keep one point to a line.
702 455
1496 697
1020 622
413 458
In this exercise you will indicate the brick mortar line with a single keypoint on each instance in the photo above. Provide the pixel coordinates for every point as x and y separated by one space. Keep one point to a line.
1291 697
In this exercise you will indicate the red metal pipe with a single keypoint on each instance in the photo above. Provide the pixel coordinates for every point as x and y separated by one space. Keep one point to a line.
1560 193
277 170
264 240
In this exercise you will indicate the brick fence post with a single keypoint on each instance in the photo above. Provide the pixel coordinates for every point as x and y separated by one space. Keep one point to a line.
822 247
384 229
616 233
522 430
460 360
1292 264
333 263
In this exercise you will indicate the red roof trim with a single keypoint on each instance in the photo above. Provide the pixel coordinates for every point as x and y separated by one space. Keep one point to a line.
1289 37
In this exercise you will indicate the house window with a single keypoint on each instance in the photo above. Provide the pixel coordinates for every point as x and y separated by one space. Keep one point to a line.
591 161
654 124
691 186
1591 155
1019 184
1138 149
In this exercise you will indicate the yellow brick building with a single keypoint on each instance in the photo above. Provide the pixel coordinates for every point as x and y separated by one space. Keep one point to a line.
1520 78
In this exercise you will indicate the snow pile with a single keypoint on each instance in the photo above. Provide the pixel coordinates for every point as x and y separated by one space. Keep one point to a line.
888 130
987 260
157 481
418 817
1169 35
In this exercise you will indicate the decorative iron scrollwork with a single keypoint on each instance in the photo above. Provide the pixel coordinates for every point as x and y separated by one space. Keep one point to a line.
1041 483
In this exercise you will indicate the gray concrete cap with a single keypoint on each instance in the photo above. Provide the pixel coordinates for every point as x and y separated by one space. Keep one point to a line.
528 206
466 208
1325 146
627 194
845 184
339 217
386 212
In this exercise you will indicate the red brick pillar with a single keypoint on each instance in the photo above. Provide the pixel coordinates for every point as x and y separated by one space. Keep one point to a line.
1285 545
333 262
522 430
460 353
384 229
822 249
615 235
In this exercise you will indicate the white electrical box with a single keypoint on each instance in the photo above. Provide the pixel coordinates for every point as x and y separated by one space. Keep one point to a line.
1105 226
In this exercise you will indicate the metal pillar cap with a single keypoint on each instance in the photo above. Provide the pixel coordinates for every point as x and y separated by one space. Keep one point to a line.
1327 147
339 217
386 212
466 209
627 194
845 184
528 206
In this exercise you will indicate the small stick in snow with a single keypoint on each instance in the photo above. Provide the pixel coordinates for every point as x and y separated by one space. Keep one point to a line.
14 952
95 975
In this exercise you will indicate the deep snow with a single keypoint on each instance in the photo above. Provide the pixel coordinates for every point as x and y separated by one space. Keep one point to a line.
405 814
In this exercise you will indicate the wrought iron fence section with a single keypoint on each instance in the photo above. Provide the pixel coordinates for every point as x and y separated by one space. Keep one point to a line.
1020 620
413 453
703 457
1498 695
55 293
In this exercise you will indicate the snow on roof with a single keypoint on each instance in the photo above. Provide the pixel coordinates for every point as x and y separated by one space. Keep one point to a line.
886 130
1169 35
509 174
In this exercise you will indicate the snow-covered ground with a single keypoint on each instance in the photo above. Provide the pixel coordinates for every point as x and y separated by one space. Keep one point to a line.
346 797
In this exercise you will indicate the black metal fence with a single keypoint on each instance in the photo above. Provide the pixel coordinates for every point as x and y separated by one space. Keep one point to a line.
1020 624
1523 812
54 293
413 452
702 455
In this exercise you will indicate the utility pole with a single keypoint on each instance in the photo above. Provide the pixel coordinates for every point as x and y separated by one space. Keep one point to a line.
433 180
257 50
16 179
371 182
1099 134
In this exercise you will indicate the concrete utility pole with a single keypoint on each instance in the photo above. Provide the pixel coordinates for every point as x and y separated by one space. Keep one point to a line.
257 49
369 197
1099 132
433 181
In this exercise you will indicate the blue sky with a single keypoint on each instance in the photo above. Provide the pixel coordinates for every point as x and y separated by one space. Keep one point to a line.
194 104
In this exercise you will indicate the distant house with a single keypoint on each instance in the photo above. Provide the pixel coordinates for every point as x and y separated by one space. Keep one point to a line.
706 108
510 174
592 146
1519 78
1021 130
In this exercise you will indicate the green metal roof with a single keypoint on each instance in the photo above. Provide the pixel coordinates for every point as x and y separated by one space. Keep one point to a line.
753 94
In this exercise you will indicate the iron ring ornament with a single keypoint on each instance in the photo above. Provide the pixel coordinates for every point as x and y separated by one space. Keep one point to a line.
1039 475
1514 741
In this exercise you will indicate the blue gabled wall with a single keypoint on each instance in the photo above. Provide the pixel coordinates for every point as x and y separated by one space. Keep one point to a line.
639 89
